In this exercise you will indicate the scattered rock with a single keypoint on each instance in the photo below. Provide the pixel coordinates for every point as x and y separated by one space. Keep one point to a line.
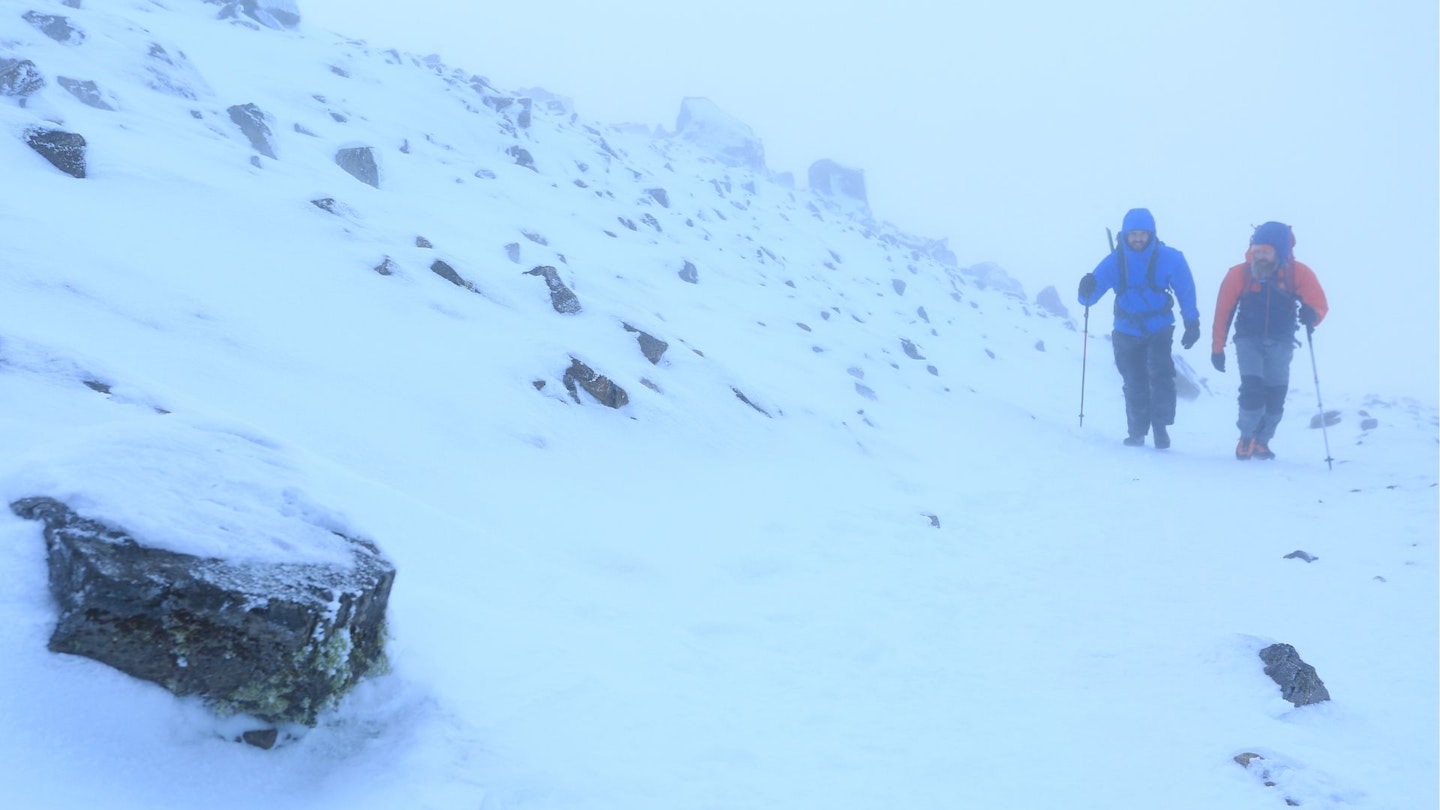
1331 418
86 91
55 27
1301 555
740 396
652 347
251 120
659 195
445 271
602 388
20 78
64 150
1048 300
522 157
386 267
561 298
1298 681
359 163
261 738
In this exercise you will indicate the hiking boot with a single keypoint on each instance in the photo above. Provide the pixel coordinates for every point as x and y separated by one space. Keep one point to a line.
1244 448
1260 451
1162 438
1135 441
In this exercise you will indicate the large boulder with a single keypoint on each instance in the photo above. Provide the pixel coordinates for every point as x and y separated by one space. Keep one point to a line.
278 641
717 133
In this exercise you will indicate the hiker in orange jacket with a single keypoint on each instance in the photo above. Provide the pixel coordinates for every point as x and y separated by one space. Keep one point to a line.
1261 297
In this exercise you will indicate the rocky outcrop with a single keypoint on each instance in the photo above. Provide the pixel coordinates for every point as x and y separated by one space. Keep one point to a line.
280 642
830 178
707 127
277 14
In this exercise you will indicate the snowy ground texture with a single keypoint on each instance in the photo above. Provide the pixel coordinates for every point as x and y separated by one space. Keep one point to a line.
912 581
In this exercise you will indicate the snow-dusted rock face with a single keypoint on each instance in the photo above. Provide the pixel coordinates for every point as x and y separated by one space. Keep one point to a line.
712 130
278 14
829 177
278 641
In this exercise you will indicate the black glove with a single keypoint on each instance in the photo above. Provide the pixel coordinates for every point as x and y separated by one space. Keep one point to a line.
1308 316
1192 334
1087 285
1218 361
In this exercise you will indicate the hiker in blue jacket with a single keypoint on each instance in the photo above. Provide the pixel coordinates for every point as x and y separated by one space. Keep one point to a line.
1144 272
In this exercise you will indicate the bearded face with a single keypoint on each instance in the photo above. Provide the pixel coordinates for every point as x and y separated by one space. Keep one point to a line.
1262 261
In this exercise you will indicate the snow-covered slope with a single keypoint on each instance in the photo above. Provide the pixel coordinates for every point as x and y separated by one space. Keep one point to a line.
844 545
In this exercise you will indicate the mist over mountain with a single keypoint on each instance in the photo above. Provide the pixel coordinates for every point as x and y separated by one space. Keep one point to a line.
704 485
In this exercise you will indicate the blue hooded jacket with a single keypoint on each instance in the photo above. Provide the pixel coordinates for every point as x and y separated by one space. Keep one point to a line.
1145 306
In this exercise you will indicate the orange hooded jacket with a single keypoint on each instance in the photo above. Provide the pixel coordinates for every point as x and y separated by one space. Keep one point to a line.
1262 306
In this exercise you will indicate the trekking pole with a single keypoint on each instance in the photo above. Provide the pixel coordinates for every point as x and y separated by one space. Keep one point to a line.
1084 354
1085 341
1309 332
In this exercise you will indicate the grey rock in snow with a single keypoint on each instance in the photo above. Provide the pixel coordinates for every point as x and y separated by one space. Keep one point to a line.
359 162
561 298
55 27
280 642
602 388
652 347
64 150
1299 683
251 120
86 91
20 78
1048 300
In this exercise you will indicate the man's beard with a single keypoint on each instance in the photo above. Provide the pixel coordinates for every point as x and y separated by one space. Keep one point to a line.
1263 268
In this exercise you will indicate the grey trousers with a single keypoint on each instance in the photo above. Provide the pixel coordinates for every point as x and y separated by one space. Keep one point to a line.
1264 366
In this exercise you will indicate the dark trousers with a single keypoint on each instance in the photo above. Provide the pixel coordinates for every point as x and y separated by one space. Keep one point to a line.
1148 370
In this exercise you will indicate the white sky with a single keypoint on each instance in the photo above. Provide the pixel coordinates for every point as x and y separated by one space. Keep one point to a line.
683 603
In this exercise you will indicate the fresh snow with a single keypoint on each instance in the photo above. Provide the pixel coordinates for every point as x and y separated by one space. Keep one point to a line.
901 589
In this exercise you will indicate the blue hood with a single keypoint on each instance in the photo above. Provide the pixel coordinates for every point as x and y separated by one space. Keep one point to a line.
1138 219
1277 235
